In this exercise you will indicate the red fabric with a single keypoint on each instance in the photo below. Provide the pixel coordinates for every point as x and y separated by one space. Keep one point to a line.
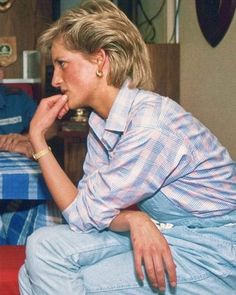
23 86
11 259
133 207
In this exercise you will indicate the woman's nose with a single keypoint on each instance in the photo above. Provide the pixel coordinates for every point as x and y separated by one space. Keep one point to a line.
56 79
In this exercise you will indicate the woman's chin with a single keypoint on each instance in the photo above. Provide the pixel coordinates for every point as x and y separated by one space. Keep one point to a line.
74 104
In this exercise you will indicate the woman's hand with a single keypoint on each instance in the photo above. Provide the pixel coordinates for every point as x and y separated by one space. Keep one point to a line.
150 248
47 112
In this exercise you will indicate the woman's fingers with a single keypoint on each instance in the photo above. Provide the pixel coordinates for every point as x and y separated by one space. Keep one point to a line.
48 110
151 252
159 271
138 264
56 104
63 111
150 270
53 99
156 268
170 268
153 264
60 107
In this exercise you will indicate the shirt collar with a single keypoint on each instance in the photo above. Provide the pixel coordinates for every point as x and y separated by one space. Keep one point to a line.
119 112
109 130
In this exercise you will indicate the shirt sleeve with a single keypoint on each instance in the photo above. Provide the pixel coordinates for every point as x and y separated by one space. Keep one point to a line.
143 161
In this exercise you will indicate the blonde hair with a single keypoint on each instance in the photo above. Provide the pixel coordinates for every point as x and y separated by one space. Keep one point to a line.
99 24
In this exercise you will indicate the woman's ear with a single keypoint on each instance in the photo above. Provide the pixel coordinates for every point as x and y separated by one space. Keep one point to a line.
100 58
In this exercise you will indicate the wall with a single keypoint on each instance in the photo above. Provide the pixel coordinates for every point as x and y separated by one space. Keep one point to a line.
26 19
207 77
151 9
66 4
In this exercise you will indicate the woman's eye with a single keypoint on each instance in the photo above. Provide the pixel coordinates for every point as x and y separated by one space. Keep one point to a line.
61 64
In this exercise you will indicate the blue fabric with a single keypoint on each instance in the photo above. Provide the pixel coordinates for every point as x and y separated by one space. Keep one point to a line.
20 218
21 178
21 188
16 111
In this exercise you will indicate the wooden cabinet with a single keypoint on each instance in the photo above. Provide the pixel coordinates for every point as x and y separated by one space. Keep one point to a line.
74 153
165 63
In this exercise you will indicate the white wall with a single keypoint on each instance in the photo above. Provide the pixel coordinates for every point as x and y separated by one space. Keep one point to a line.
207 77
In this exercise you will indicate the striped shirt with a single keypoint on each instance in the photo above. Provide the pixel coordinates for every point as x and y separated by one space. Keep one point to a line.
148 144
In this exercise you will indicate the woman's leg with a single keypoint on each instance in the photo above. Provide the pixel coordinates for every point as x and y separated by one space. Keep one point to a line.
102 263
204 257
55 256
116 276
24 282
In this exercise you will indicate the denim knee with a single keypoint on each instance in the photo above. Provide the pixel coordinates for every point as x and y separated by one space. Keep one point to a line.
36 250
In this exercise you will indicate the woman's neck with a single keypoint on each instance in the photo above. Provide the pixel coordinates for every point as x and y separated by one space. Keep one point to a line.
104 102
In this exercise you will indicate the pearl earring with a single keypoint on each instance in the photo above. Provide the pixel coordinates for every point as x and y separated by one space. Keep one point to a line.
99 73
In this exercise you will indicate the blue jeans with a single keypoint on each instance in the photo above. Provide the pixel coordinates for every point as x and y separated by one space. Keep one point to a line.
60 261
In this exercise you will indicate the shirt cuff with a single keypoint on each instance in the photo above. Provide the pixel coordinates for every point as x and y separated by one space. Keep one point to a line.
71 215
74 218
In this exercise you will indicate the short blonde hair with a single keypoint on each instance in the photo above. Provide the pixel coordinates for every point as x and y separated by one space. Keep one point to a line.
99 24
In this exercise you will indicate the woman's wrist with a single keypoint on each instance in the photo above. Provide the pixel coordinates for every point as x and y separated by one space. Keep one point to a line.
36 137
126 220
41 153
136 218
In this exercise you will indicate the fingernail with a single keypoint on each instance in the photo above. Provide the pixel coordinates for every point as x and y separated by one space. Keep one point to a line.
155 285
64 97
173 284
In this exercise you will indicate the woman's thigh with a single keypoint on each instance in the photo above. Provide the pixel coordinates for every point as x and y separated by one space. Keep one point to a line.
105 260
58 252
116 275
204 258
59 243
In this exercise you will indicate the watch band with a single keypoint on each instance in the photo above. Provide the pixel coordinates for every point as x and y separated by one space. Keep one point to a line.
41 153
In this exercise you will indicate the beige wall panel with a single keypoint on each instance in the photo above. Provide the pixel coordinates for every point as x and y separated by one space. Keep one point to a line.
207 77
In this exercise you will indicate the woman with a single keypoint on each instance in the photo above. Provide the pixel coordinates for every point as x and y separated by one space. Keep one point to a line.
143 149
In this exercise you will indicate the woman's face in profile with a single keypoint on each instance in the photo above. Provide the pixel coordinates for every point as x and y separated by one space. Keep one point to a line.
75 75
